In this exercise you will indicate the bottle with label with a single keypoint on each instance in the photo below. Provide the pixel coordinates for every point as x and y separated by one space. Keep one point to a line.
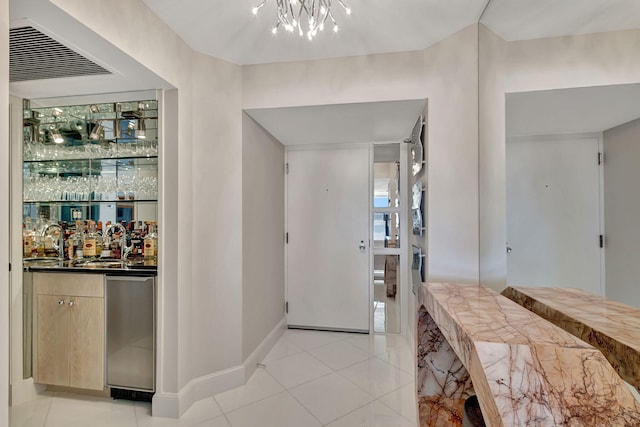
27 238
51 240
38 239
76 245
151 243
92 245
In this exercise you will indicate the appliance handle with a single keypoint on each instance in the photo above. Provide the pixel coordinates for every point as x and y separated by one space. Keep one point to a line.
131 278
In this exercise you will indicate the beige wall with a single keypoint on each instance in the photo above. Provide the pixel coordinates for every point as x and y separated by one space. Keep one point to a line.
217 217
263 234
541 64
491 148
369 78
621 212
451 86
5 167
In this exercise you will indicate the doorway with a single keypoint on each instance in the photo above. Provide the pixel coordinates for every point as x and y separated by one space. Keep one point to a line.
327 250
387 246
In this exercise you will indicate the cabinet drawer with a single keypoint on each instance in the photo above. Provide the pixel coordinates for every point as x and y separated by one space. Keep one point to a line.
82 285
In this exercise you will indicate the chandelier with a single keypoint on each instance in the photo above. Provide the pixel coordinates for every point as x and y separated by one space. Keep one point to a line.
306 17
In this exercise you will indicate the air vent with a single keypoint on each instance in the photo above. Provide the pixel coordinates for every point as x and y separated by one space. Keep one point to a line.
35 56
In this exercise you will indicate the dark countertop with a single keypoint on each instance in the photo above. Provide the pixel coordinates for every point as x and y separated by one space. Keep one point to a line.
131 267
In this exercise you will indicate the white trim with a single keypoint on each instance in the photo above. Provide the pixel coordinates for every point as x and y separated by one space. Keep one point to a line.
251 363
405 282
25 391
173 405
603 251
286 232
370 246
107 98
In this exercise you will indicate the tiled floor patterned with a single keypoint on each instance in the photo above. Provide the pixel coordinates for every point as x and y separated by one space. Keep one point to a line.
310 379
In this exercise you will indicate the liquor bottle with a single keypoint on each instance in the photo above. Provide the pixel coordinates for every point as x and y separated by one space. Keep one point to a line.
92 246
151 243
77 241
27 238
51 239
38 238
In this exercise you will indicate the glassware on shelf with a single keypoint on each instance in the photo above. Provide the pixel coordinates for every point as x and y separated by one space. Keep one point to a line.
43 188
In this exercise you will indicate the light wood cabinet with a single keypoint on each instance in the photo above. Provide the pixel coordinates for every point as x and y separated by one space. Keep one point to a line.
69 330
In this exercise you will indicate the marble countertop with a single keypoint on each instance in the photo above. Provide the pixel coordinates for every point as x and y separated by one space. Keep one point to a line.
525 370
612 318
610 326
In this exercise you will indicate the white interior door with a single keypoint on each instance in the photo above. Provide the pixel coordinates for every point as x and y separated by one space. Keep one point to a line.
553 212
328 222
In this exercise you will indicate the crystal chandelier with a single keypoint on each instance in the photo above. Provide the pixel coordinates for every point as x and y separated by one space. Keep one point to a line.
307 17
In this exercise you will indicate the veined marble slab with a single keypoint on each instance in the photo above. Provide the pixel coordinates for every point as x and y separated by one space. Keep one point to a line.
610 326
525 370
443 382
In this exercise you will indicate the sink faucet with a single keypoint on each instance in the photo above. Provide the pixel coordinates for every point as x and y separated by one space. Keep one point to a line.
124 249
57 246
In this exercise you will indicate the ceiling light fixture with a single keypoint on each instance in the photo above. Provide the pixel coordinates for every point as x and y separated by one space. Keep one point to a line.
306 17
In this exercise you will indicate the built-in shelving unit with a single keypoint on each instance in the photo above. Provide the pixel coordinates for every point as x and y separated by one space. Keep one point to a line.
91 162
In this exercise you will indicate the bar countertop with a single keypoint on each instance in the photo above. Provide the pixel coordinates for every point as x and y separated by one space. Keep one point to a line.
100 266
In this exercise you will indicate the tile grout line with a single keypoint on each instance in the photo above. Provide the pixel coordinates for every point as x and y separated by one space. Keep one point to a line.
46 418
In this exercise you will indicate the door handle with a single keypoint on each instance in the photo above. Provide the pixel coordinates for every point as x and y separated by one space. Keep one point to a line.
363 247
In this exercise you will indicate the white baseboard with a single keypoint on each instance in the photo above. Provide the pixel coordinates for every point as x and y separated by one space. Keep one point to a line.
173 405
24 391
251 363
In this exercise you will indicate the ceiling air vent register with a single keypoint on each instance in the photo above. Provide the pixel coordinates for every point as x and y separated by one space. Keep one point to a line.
36 56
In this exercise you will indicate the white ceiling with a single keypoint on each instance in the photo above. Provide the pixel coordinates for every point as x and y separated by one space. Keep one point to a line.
227 29
390 121
532 19
576 110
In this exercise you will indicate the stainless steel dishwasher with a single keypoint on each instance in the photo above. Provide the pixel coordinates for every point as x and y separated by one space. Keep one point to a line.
130 324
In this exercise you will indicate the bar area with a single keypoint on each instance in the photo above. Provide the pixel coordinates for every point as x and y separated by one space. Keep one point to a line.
90 245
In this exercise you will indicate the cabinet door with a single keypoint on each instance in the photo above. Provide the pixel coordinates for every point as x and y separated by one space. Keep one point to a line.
53 340
86 343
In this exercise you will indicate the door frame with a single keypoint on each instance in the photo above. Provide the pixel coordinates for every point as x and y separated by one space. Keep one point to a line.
403 266
403 250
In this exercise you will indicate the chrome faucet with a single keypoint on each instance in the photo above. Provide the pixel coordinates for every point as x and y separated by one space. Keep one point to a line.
60 245
124 249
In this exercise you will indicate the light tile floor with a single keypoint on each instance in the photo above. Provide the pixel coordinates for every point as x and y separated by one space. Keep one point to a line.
310 379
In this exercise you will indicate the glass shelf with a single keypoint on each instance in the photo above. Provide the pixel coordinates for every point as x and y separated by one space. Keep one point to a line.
92 158
88 202
93 161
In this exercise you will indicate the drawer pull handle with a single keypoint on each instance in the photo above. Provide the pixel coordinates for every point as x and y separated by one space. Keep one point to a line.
71 303
61 302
